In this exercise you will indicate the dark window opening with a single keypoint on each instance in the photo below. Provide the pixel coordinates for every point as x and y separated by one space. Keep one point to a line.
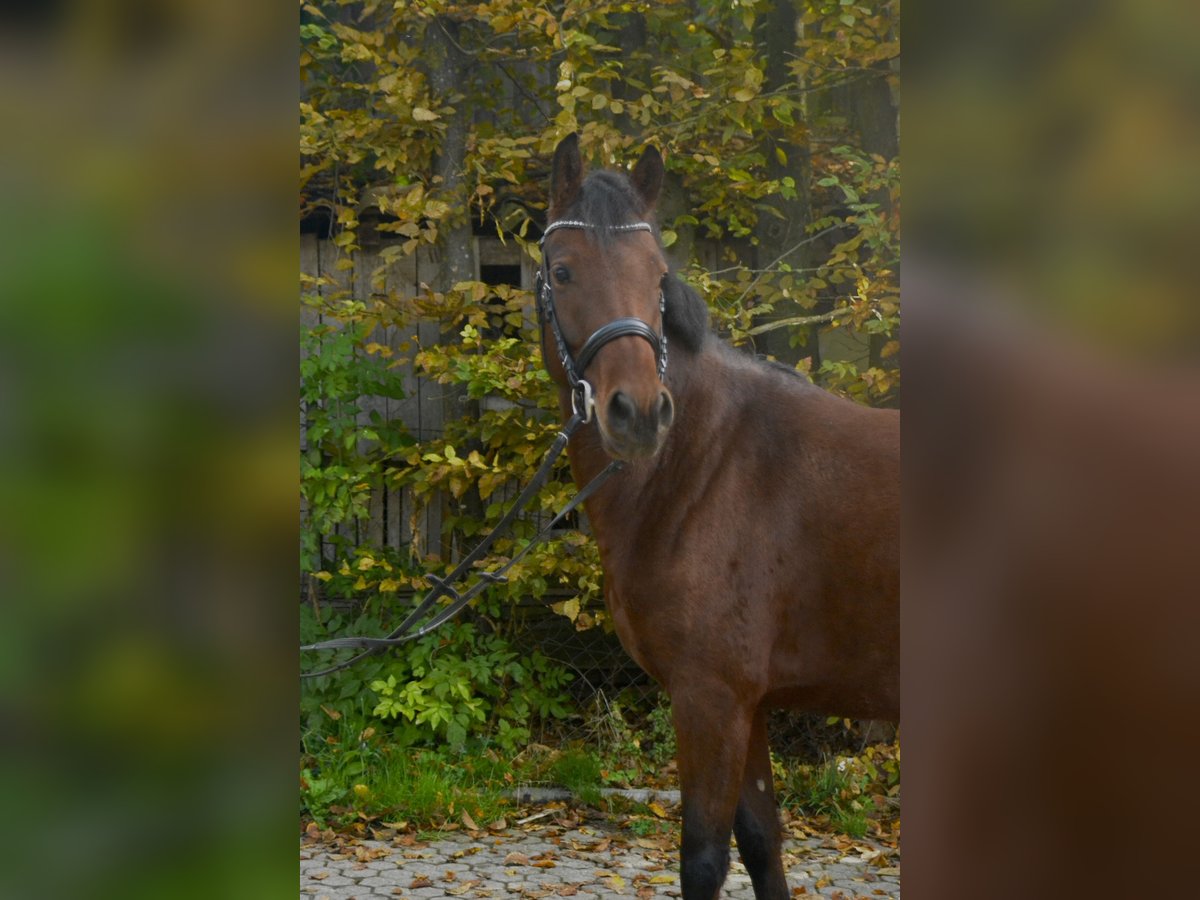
500 274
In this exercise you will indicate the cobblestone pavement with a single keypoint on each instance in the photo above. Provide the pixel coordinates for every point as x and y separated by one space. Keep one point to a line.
583 861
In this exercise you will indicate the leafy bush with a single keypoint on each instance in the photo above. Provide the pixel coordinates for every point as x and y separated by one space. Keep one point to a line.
450 687
341 463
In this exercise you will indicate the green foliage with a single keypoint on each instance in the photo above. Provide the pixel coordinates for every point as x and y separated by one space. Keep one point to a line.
341 463
847 791
452 687
579 772
635 741
423 787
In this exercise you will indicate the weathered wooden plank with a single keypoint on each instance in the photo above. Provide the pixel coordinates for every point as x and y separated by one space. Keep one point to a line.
489 251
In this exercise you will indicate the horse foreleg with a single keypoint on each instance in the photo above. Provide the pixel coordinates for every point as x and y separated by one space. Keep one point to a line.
757 821
712 730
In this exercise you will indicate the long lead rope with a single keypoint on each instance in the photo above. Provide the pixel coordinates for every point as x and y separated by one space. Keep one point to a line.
442 587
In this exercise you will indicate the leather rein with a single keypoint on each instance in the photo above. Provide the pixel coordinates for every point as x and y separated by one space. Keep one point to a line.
582 406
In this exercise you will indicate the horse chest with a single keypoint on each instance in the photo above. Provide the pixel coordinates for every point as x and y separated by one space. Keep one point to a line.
642 627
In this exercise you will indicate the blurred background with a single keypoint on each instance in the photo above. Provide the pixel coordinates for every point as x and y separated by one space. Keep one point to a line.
147 448
1052 433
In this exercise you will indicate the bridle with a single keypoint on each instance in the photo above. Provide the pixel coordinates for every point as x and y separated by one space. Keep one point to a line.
582 395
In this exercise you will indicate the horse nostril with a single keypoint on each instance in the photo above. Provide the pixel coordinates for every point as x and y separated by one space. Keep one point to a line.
666 410
621 409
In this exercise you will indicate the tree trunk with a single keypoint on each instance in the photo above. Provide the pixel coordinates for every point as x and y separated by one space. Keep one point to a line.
448 73
776 34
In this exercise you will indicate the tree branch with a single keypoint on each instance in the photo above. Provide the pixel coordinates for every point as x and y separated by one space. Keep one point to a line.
782 256
798 321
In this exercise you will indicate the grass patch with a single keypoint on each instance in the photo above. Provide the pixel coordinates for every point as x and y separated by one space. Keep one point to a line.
351 774
430 788
423 788
579 772
851 793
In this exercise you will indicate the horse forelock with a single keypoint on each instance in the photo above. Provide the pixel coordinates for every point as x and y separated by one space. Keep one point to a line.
606 200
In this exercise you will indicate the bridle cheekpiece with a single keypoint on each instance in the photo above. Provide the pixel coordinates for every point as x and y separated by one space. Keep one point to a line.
582 400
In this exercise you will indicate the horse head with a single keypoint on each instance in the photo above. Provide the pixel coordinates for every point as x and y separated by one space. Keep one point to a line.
601 299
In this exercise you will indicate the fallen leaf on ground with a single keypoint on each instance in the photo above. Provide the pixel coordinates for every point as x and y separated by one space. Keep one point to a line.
654 843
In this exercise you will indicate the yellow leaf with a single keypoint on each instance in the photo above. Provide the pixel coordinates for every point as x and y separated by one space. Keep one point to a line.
662 879
657 809
615 882
421 114
323 576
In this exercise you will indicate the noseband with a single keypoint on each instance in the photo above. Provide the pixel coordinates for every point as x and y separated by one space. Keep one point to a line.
582 401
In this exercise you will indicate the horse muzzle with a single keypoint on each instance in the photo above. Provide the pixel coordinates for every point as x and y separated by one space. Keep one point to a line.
631 430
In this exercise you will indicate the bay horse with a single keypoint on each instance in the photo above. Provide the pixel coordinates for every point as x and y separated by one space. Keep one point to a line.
750 545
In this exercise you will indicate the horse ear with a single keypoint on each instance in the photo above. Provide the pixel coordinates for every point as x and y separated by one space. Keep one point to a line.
566 174
648 176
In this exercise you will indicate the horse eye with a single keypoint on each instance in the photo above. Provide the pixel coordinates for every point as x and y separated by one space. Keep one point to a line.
562 274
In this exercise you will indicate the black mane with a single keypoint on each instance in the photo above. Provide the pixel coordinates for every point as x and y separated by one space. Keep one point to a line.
686 318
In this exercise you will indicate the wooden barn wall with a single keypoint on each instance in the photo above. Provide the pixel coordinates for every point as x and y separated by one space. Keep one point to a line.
391 522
